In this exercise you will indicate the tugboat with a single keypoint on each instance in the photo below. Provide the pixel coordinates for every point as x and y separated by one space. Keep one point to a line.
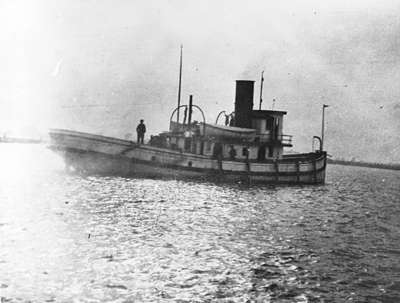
247 148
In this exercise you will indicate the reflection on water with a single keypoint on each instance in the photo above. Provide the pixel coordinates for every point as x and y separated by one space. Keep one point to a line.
67 238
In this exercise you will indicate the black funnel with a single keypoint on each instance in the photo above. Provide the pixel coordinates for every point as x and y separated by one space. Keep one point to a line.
244 103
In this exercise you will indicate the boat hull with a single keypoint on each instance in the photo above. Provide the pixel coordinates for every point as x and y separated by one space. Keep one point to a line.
94 154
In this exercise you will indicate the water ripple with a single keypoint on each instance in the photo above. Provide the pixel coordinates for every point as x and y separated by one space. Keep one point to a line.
67 238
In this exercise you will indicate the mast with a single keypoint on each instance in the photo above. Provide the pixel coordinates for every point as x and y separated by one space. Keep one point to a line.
261 88
179 86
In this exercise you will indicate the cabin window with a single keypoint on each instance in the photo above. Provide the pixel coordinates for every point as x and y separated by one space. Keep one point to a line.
218 150
276 128
202 148
245 151
190 163
270 124
270 152
208 146
187 143
261 153
153 158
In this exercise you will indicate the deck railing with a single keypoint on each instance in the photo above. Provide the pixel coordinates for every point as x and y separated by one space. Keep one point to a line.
284 139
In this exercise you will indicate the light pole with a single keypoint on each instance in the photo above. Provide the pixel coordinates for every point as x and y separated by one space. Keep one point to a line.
323 126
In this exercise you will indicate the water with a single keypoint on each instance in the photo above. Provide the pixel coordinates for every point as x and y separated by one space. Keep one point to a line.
69 238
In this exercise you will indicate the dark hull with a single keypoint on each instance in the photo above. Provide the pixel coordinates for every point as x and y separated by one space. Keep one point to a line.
95 163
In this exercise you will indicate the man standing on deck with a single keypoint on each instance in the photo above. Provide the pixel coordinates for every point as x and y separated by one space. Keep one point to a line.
140 130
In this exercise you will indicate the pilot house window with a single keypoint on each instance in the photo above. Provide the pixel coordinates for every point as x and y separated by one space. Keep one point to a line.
270 123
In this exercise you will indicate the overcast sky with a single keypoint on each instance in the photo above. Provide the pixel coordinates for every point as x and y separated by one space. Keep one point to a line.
100 66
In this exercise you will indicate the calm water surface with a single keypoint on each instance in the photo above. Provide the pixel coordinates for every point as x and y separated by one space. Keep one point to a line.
69 238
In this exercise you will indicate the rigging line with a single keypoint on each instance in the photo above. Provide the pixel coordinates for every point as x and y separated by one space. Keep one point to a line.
108 105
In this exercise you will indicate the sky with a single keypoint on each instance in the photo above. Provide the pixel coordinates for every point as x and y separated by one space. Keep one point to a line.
100 66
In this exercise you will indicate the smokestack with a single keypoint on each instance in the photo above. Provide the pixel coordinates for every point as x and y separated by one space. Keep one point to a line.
244 103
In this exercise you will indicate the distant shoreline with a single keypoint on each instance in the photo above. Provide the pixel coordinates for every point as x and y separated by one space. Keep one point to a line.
365 164
19 140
